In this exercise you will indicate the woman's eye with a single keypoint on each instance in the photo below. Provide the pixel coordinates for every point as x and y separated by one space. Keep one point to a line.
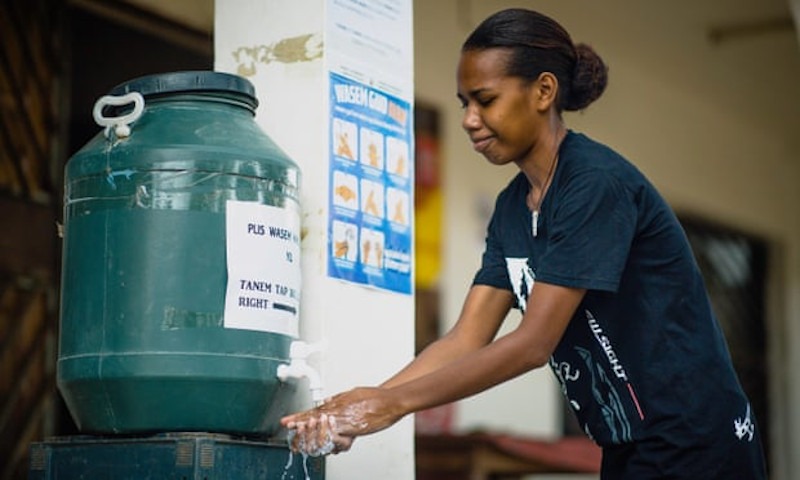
482 102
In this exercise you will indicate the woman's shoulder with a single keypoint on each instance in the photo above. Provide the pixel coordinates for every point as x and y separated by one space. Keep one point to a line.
583 156
581 151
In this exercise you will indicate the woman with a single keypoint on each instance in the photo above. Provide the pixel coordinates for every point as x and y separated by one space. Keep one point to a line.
586 248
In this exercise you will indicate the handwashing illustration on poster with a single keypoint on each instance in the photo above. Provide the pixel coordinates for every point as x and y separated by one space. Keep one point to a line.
371 180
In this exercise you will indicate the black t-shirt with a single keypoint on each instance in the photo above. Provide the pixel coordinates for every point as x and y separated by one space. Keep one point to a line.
643 361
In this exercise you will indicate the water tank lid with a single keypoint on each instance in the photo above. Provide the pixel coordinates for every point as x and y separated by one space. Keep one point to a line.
187 82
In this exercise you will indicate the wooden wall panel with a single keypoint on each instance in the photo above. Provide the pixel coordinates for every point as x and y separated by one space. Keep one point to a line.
27 90
31 73
28 239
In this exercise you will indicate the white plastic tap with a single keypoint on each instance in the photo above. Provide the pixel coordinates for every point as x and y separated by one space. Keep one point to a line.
298 367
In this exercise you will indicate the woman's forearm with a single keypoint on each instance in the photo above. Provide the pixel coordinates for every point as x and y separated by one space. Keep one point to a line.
470 374
483 312
436 355
526 348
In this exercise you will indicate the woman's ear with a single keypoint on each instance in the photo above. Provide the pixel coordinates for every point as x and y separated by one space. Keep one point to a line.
546 91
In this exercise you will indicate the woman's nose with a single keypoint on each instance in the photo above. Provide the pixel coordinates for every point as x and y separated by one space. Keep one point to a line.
470 120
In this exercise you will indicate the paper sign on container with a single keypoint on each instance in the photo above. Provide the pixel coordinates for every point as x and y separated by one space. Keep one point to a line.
263 256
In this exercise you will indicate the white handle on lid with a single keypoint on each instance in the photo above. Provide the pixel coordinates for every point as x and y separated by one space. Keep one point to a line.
120 124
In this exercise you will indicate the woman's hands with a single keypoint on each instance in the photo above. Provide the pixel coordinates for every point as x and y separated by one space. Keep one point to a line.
333 426
318 437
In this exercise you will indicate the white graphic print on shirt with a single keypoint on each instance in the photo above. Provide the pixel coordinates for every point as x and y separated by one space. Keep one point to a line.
604 393
744 427
522 279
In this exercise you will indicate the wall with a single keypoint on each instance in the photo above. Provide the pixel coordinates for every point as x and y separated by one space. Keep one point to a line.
714 126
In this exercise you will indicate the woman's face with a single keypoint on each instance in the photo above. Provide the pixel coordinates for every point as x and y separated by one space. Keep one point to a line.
500 112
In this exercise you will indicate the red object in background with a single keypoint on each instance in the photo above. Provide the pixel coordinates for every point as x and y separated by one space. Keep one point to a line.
427 160
485 456
427 164
571 454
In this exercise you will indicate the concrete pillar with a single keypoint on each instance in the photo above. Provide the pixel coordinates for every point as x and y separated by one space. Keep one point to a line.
325 70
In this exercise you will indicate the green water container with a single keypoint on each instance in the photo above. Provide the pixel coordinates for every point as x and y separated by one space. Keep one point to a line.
180 282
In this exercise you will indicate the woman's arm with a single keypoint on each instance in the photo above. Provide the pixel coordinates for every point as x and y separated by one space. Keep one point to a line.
468 371
483 312
529 346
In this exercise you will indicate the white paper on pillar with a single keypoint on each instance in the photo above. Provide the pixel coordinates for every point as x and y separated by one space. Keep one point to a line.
372 41
263 256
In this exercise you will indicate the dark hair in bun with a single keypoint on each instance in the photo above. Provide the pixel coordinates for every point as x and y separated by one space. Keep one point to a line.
539 44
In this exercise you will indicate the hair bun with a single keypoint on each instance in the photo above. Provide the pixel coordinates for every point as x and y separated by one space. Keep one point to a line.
589 78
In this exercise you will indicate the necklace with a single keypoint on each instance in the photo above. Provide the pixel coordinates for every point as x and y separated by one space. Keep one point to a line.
535 209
